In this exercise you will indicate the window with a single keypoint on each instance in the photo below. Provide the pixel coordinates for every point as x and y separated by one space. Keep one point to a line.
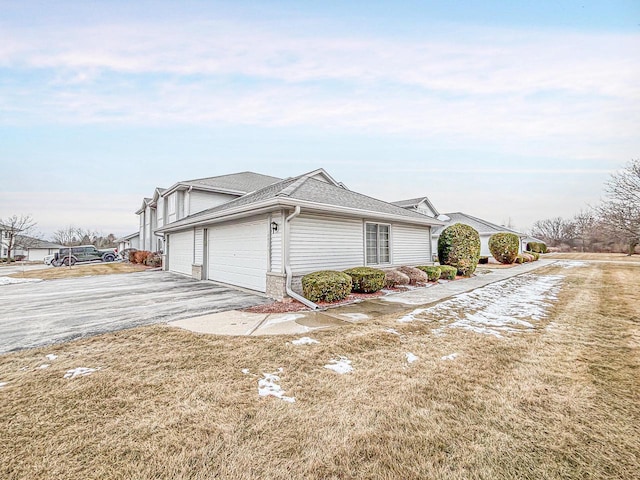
377 243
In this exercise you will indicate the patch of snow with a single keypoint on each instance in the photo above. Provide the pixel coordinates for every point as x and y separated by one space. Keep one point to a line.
411 357
2 384
449 357
51 356
80 371
245 371
356 316
570 264
391 330
507 306
291 317
43 366
340 365
268 387
304 341
13 281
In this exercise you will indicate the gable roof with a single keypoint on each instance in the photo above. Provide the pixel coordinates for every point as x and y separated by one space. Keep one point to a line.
482 226
234 183
32 242
414 202
310 193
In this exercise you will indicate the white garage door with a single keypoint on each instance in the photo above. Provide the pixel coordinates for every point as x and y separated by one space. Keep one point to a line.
238 254
181 252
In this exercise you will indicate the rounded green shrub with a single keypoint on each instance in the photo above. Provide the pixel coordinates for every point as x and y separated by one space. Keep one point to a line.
459 246
433 273
447 272
326 285
504 247
393 278
366 279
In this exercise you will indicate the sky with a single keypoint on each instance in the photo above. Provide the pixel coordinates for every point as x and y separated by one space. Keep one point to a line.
510 111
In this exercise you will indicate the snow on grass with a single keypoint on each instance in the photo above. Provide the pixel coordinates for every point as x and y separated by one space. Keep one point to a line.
246 371
451 356
411 357
43 366
510 305
340 365
304 341
51 356
13 281
391 330
2 384
570 264
80 371
268 387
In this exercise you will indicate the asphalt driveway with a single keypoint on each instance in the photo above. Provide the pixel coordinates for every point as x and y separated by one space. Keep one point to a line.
53 311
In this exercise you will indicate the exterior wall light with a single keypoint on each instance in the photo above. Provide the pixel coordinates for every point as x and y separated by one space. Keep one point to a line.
274 227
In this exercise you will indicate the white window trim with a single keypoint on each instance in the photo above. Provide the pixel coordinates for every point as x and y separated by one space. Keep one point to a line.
390 262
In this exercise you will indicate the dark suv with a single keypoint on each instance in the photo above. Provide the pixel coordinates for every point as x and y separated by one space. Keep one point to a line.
82 253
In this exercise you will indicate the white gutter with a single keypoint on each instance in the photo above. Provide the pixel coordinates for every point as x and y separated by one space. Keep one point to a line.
287 267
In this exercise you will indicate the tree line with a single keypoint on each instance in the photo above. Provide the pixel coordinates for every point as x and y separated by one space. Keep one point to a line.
612 225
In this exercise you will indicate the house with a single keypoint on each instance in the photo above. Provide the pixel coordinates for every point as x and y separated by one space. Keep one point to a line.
483 227
266 238
129 241
189 197
36 249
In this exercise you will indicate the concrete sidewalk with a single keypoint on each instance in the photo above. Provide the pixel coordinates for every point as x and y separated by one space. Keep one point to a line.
234 322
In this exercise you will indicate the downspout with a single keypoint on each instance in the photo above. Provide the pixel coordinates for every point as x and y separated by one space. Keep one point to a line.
287 267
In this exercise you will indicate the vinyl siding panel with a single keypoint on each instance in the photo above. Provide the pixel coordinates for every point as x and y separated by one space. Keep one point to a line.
276 244
325 243
198 246
200 201
410 245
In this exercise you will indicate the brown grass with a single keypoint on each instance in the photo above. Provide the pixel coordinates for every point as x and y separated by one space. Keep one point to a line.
81 271
561 402
605 257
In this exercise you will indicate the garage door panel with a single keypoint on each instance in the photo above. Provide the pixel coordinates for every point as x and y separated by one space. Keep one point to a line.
181 252
238 254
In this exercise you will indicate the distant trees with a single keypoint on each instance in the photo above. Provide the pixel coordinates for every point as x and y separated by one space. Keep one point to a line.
608 226
71 236
16 231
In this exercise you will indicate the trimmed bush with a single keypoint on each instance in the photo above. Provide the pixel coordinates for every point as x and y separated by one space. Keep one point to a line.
536 256
366 279
504 247
528 257
459 246
416 276
483 260
447 272
433 273
520 259
393 278
326 285
537 247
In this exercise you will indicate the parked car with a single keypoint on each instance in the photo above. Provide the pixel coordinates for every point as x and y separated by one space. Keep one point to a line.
82 253
48 259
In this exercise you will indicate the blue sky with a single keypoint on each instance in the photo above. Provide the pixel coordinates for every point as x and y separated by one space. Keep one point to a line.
505 110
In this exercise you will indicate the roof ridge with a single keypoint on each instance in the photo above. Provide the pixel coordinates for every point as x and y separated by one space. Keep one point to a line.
290 190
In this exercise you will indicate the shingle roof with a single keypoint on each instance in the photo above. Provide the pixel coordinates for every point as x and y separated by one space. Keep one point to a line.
242 182
412 202
31 242
482 226
310 190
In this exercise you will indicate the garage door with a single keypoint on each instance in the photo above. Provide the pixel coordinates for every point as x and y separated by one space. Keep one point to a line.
238 254
181 252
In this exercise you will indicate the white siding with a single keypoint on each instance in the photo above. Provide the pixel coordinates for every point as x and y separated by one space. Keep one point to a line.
181 252
425 210
147 229
160 212
276 244
171 207
38 254
325 243
199 201
410 245
199 246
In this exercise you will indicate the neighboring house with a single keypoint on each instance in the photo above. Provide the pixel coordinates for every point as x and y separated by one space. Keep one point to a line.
483 227
276 233
36 249
17 250
129 241
189 197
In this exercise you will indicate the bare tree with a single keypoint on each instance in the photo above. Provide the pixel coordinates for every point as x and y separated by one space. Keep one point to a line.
72 236
68 236
620 210
583 228
13 228
554 231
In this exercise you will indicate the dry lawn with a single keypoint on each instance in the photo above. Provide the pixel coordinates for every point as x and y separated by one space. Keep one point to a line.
605 257
560 402
81 271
